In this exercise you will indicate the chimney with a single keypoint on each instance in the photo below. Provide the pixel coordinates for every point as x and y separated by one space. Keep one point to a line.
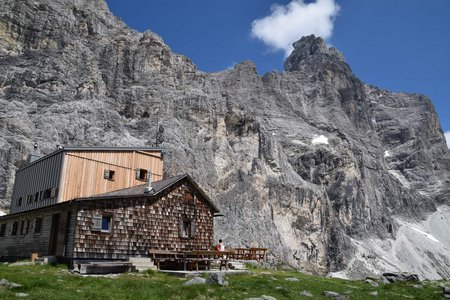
149 188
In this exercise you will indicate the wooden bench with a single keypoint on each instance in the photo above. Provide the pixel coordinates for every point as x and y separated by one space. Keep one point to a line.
249 253
163 255
207 256
257 253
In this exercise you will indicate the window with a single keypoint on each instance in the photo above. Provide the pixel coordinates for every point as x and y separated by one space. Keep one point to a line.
36 196
30 198
187 229
2 230
14 228
141 174
106 224
24 226
108 174
101 223
189 197
19 201
37 225
49 193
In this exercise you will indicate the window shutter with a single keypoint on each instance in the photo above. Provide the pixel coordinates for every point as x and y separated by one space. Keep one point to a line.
53 193
97 222
192 229
106 174
180 227
138 173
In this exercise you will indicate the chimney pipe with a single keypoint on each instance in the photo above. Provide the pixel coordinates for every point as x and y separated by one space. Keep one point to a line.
149 188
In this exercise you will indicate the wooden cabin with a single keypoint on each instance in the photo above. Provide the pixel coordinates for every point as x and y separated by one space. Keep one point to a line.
174 215
77 172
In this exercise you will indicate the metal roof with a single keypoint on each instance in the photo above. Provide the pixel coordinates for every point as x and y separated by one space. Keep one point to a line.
158 187
136 191
85 148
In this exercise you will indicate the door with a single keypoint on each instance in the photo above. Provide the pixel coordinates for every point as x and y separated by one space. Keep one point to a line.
54 235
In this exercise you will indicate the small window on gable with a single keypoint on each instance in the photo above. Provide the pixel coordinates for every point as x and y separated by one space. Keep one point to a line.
141 174
14 227
109 174
2 230
189 196
37 225
19 201
187 229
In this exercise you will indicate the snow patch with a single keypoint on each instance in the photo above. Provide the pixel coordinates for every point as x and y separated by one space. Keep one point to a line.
297 142
399 176
409 251
447 137
2 213
426 234
387 153
321 139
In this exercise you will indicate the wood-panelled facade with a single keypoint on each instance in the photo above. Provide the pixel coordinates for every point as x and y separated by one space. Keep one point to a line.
81 172
40 231
176 218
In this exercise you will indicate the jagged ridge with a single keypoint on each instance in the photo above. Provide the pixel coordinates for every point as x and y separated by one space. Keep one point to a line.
76 75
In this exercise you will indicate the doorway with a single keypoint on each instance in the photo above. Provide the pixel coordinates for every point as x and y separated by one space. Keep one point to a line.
54 234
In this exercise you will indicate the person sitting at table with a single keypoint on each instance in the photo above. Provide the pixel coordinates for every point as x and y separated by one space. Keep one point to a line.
220 246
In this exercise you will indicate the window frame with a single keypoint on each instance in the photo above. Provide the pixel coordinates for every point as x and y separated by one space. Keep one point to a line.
3 227
24 227
187 229
35 225
97 223
109 174
14 228
48 193
142 174
109 218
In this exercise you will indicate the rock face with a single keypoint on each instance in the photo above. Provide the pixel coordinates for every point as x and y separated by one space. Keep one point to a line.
302 162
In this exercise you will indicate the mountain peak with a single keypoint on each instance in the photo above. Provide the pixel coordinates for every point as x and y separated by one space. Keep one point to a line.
310 49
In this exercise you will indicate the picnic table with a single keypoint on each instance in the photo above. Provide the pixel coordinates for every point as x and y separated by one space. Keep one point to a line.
207 256
162 255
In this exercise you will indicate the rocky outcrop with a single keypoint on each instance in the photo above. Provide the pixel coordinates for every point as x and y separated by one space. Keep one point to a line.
303 162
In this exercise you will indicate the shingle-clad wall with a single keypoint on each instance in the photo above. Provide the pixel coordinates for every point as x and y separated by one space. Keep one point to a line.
143 223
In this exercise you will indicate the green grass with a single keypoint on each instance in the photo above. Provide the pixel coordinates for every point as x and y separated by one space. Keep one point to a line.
46 282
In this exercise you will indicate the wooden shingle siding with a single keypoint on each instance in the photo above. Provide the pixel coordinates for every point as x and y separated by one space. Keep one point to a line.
37 177
83 173
143 223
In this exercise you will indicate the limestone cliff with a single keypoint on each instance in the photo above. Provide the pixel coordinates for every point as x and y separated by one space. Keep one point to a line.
303 162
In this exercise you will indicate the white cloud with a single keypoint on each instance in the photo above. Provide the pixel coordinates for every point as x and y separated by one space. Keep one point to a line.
447 137
288 23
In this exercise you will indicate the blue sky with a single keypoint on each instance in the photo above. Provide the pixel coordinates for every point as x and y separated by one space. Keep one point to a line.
401 45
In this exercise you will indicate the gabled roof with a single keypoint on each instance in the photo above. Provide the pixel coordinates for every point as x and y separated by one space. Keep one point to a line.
158 187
